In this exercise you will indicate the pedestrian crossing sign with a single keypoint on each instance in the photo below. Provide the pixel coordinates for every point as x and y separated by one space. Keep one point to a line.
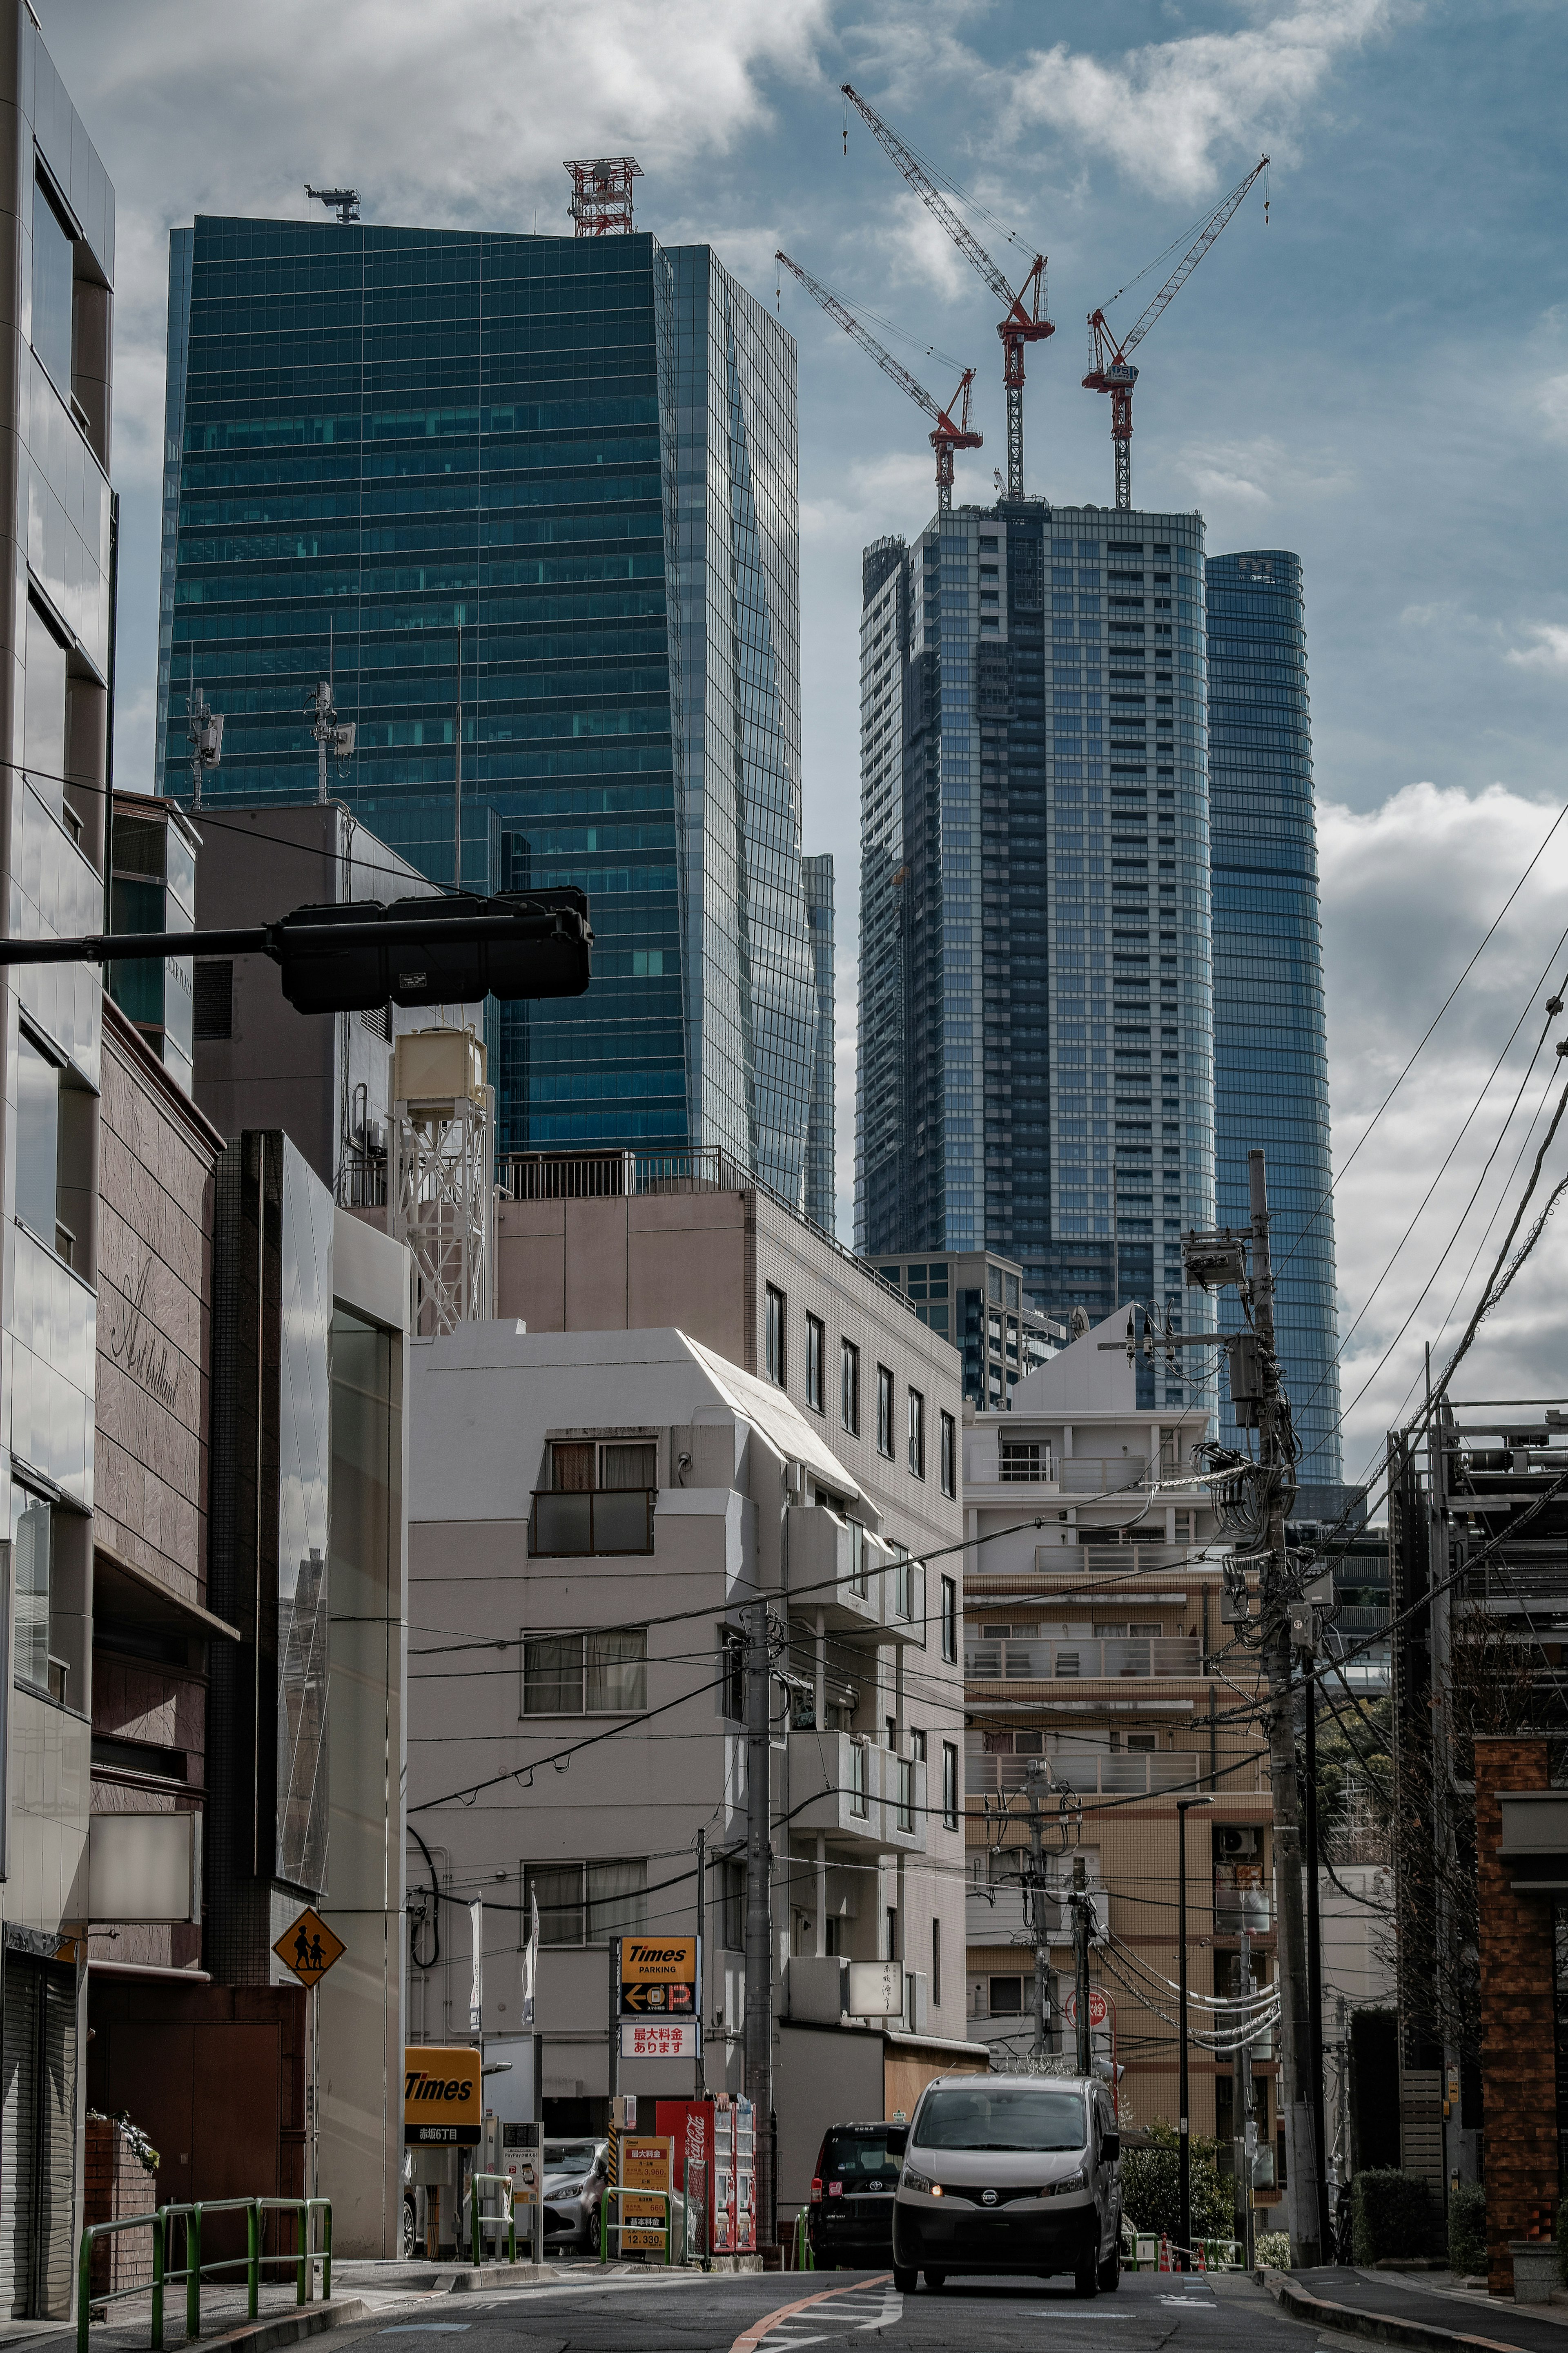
309 1948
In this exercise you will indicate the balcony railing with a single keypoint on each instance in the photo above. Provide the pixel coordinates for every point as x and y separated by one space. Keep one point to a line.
1038 1660
1113 1773
1081 1477
604 1520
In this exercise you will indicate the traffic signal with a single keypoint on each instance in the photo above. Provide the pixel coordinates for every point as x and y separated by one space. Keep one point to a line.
445 950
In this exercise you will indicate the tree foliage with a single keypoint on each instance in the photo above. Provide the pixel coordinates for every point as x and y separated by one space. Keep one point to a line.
1152 2193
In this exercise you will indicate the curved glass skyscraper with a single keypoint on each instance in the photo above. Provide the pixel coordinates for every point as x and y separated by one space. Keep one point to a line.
1271 1081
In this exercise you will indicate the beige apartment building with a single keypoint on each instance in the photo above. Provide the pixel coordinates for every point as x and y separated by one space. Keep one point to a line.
1095 1645
691 1396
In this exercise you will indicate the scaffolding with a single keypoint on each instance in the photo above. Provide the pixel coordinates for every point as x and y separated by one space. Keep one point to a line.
442 1188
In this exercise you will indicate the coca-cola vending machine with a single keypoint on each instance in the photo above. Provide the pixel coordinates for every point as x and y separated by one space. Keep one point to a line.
688 2127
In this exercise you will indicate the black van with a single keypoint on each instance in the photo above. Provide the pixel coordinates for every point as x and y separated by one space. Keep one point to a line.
850 2217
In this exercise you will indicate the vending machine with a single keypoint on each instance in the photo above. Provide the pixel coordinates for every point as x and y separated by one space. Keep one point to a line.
734 2177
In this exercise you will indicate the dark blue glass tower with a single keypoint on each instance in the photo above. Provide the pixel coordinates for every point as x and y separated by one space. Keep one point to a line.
552 482
1271 1079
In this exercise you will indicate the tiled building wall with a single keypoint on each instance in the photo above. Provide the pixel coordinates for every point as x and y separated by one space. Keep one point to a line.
1518 2028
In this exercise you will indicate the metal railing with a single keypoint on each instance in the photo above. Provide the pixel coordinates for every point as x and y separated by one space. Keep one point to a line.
1118 1774
482 2223
1042 1659
614 1174
665 2200
160 2222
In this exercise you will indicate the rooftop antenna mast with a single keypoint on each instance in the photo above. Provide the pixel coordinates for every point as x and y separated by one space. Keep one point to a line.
204 727
344 202
601 200
334 736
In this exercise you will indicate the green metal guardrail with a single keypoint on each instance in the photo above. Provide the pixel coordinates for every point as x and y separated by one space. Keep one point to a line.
161 2221
501 2181
606 2225
805 2256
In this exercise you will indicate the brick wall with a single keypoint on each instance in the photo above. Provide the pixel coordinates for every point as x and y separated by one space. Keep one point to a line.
114 2184
1518 2071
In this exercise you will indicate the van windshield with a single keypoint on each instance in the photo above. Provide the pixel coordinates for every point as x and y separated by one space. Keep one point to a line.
861 2160
1028 2118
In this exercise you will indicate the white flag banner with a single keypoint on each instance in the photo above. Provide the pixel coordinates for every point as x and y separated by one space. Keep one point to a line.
530 1958
477 1997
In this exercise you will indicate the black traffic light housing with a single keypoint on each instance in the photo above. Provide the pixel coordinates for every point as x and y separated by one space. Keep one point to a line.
446 951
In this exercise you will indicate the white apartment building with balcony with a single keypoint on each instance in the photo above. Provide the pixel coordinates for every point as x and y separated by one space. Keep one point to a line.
1095 1647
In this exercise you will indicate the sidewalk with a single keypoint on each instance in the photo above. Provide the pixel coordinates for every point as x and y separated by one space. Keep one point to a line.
1420 2308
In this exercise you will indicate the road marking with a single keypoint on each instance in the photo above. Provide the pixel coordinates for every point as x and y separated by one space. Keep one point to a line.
427 2329
750 2338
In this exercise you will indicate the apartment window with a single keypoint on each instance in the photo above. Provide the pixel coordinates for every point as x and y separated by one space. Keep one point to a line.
949 1786
917 1434
906 1575
949 1619
905 1794
884 1411
814 1343
918 1747
936 1962
45 693
1006 1997
587 1903
1026 1459
858 1800
890 1933
858 1582
54 268
949 1455
849 1385
775 1335
735 1677
600 1497
599 1673
733 1900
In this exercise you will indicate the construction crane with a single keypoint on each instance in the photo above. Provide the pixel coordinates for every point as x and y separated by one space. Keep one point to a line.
344 202
948 434
1024 322
1110 367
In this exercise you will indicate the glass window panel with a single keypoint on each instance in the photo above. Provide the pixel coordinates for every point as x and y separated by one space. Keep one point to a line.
621 1522
558 1893
44 712
571 1467
32 1538
617 1665
618 1899
552 1674
629 1466
53 263
37 1139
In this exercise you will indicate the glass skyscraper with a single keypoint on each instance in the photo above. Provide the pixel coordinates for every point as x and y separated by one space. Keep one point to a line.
1035 1072
1271 1085
822 1131
551 482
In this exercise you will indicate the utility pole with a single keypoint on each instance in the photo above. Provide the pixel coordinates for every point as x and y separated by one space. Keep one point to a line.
759 2022
1184 2099
1245 2147
1315 1966
1082 1921
334 737
701 2083
204 727
1037 1914
1295 2025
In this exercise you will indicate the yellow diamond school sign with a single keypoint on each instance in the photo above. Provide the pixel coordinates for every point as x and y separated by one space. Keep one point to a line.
309 1948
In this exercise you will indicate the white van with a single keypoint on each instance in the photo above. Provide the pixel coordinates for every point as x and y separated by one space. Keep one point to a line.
1010 2173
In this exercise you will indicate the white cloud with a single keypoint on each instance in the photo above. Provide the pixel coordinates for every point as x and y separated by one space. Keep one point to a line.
1550 650
1399 927
1167 113
1551 400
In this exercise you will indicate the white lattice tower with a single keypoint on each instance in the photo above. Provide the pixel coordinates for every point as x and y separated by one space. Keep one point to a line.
442 1185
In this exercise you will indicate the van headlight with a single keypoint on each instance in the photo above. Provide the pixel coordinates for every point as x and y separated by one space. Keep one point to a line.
913 2180
1078 2179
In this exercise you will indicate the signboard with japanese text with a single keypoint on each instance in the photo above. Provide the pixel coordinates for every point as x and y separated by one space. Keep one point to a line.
646 2166
442 2100
674 2039
660 1976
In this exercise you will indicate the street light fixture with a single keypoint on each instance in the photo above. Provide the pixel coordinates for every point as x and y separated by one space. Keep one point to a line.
1185 2157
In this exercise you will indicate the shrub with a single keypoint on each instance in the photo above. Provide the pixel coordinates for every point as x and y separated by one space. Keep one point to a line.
1468 2227
1392 2214
1152 2193
1272 2248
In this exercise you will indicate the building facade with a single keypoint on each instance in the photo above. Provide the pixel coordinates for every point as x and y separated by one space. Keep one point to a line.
1036 1017
532 503
822 1128
1271 1077
976 1299
1102 1683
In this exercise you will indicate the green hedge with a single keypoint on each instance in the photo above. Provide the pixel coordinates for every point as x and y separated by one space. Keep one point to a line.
1468 2229
1394 2214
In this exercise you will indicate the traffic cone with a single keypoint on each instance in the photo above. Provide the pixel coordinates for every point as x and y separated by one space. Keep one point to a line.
1203 2264
1164 2253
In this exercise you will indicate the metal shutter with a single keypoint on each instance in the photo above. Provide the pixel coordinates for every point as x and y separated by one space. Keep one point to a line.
55 2237
18 2133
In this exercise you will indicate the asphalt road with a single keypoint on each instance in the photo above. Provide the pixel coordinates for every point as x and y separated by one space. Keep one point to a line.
775 2313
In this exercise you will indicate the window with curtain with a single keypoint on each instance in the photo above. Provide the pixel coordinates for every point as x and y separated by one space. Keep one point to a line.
633 1465
558 1892
618 1899
602 1672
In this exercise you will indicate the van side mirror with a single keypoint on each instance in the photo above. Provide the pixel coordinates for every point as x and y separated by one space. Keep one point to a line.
1111 2147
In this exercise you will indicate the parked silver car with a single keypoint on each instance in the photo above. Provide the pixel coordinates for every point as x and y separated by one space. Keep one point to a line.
575 2173
1010 2173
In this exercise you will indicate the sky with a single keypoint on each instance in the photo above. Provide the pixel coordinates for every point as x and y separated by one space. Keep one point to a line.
1376 377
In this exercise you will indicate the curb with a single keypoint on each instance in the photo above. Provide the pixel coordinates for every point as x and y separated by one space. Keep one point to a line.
1383 2328
293 2328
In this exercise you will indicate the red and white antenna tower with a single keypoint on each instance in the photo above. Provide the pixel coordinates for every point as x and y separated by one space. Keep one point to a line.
951 433
602 194
1024 322
1110 362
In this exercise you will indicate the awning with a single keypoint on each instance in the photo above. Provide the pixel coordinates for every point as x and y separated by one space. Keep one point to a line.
121 1590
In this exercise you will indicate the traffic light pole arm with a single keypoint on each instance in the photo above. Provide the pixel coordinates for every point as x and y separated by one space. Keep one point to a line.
266 939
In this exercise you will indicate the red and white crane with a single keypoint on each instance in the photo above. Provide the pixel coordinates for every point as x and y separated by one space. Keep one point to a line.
1025 321
1110 367
949 433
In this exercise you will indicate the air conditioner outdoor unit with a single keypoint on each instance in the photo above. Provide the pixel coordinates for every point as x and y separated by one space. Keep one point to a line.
1236 1842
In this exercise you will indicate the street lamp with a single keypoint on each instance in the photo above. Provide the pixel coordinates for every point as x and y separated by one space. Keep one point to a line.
1184 1808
